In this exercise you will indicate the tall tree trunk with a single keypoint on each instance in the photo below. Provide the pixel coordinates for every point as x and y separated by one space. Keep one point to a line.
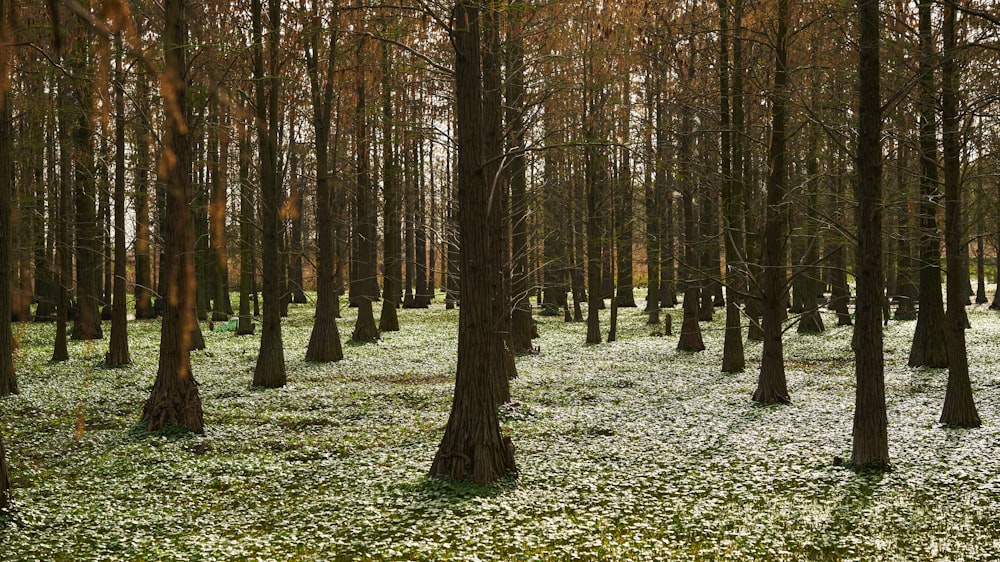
871 444
87 324
270 369
118 347
771 385
595 228
244 324
499 187
324 341
218 162
654 196
473 444
522 327
143 251
174 399
810 321
690 338
733 357
8 379
389 320
959 405
928 348
624 212
64 244
554 210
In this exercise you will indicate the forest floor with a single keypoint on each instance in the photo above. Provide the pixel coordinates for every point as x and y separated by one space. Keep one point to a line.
627 451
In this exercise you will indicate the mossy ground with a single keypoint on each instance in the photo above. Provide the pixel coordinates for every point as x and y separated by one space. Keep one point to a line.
627 451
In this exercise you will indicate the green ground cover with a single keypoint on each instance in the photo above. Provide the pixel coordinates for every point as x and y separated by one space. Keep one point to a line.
627 451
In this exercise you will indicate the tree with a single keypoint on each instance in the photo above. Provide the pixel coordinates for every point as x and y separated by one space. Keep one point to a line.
270 369
118 354
174 399
473 444
143 256
389 320
324 341
364 285
959 405
928 347
522 325
244 324
871 445
771 385
8 379
733 359
690 338
87 324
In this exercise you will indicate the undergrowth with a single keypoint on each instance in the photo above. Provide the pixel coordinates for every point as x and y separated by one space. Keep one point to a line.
627 451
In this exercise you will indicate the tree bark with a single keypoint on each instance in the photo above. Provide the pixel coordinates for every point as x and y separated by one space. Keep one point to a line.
174 399
270 369
118 354
959 405
928 348
690 338
143 253
871 448
324 340
8 379
473 444
522 328
389 320
733 357
87 324
771 385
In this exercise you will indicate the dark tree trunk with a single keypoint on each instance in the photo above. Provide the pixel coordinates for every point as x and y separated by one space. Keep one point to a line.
420 299
389 320
522 326
654 196
811 322
594 232
143 253
63 247
174 399
871 445
959 405
296 290
928 348
324 341
499 187
624 218
690 338
771 385
554 210
218 163
244 324
410 200
87 324
364 282
8 380
364 328
733 357
118 354
980 270
473 445
270 369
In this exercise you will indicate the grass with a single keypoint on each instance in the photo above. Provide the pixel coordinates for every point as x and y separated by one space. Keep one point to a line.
627 451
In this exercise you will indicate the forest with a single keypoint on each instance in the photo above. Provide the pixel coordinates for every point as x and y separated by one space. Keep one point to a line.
499 279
